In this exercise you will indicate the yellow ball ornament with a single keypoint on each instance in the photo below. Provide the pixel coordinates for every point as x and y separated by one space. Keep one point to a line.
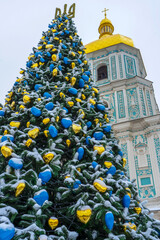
54 57
95 90
57 118
62 95
28 124
83 96
138 210
53 222
100 149
107 164
71 37
84 214
72 65
21 106
78 100
49 46
92 101
46 120
124 162
15 124
6 151
67 78
34 65
100 185
33 133
26 99
5 132
130 225
68 142
31 56
96 121
48 157
73 81
28 142
82 113
70 103
73 54
19 189
54 72
76 128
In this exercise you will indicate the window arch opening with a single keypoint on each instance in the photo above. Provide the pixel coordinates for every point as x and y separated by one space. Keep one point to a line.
102 72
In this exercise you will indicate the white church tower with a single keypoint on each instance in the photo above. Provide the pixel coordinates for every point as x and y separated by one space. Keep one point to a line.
118 70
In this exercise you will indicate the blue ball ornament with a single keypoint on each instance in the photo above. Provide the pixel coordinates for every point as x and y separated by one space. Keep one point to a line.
64 46
88 73
100 107
29 64
81 83
6 137
37 86
66 60
49 106
62 33
51 67
89 124
47 95
45 176
36 111
126 201
25 83
16 83
98 135
56 34
87 140
120 153
65 109
60 55
2 113
37 76
122 173
107 128
73 91
48 54
66 31
110 193
53 131
73 45
109 220
40 197
111 170
15 163
94 164
42 60
7 231
80 153
60 68
66 122
37 54
85 78
79 61
76 184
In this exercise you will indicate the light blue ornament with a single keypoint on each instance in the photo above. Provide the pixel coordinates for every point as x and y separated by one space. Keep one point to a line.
60 55
109 220
88 73
36 111
107 128
53 131
87 140
66 60
25 83
37 76
100 107
45 176
94 164
37 54
122 173
15 163
62 33
89 124
81 83
80 153
47 95
48 54
66 31
66 122
85 78
120 153
111 170
79 61
76 184
40 197
2 113
49 106
65 109
64 46
6 137
37 86
98 135
126 201
42 60
51 67
7 231
73 44
73 91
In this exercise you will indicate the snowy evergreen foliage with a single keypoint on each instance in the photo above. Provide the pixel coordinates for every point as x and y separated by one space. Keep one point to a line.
62 172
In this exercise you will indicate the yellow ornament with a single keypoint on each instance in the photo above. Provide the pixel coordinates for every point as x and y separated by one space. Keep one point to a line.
5 132
100 149
130 225
96 120
54 57
62 95
67 78
72 65
27 124
56 38
53 222
68 142
76 128
54 50
57 118
138 210
8 99
10 94
107 120
40 63
39 99
70 103
79 52
19 189
49 46
15 124
28 142
56 86
83 96
21 72
82 113
26 99
124 162
6 151
54 72
93 94
71 37
73 81
95 90
31 56
79 169
46 120
105 116
78 100
21 106
54 30
33 133
84 214
43 37
46 133
48 157
107 164
100 185
128 192
34 65
13 104
73 54
85 61
92 101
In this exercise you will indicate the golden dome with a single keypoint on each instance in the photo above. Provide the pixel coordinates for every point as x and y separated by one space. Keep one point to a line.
107 38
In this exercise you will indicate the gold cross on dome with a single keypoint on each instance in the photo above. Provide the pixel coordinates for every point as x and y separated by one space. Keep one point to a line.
105 10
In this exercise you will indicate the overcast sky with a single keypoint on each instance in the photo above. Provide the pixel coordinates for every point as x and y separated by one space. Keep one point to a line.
22 23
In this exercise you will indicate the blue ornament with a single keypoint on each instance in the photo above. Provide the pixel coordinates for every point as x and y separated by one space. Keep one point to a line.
109 220
36 111
87 140
42 60
73 91
76 184
37 86
6 137
80 153
85 78
79 61
111 170
66 60
60 68
89 124
110 193
66 122
88 73
120 153
29 64
7 231
45 176
51 67
107 128
126 201
122 173
37 54
40 197
98 135
48 54
53 131
31 73
15 163
2 113
66 31
81 83
37 76
94 164
62 34
101 107
65 109
56 34
25 83
60 19
49 106
64 46
73 44
47 38
47 95
16 83
60 55
91 106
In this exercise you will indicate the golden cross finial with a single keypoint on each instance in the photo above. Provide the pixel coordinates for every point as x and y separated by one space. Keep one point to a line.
105 10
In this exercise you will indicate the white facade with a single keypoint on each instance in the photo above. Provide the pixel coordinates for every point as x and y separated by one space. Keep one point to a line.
134 114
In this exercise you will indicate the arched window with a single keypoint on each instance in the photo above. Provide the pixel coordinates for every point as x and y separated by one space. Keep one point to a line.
102 72
105 103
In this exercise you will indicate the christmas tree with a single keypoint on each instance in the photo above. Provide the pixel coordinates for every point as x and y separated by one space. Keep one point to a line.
62 172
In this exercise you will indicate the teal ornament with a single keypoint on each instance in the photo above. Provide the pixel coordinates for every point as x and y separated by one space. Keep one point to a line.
66 122
73 91
89 124
15 163
81 83
120 153
80 153
36 111
100 107
47 95
109 220
7 230
2 113
111 170
94 164
49 106
37 86
126 201
85 78
7 137
41 196
53 131
107 128
98 135
45 176
87 140
76 184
